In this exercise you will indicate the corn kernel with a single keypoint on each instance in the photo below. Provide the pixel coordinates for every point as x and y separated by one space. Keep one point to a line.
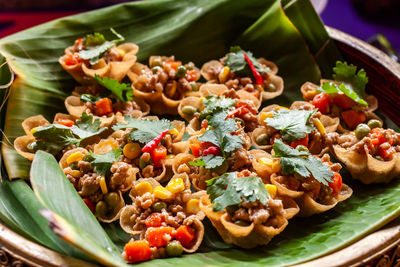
174 131
223 74
276 165
74 157
131 150
271 190
264 116
320 127
280 107
118 113
75 173
170 156
121 52
162 193
193 206
103 185
176 185
33 130
266 161
143 187
201 99
260 88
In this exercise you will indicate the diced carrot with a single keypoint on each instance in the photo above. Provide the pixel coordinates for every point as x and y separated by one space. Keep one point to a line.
302 141
103 106
352 118
204 124
89 204
185 235
336 185
158 154
137 251
154 220
386 154
195 148
191 76
66 122
159 236
175 64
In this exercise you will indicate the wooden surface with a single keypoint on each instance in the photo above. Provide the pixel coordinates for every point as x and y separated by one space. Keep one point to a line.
381 248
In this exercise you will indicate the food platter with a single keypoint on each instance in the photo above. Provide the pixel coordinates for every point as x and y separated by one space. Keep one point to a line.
346 46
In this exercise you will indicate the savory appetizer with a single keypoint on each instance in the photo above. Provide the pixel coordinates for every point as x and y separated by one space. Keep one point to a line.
165 83
95 55
239 70
167 220
244 211
344 97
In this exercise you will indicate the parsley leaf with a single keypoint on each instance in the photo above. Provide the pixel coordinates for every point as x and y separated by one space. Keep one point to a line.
121 90
301 162
103 163
145 129
352 82
86 127
214 104
238 64
94 51
230 190
54 137
293 124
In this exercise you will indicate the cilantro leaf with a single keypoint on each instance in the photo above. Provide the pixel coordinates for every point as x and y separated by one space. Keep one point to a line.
197 162
214 104
89 98
238 64
293 124
94 39
212 161
230 190
103 163
220 135
93 52
352 82
121 90
53 138
301 162
145 129
86 127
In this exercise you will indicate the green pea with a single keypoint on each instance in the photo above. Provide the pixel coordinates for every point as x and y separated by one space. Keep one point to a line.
159 206
194 86
189 110
88 158
189 66
222 169
156 69
180 71
74 165
155 61
101 208
362 130
379 158
374 124
271 87
242 223
31 147
174 249
302 148
112 199
262 139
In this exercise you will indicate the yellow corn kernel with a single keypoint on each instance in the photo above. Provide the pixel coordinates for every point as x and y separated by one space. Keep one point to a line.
176 185
121 52
75 173
174 131
266 161
193 206
280 107
103 185
271 190
320 127
162 193
223 74
276 165
260 88
143 188
33 130
74 157
131 150
170 156
201 99
265 115
118 113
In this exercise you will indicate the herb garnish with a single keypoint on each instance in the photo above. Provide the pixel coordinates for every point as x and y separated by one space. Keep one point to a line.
215 104
230 190
301 162
237 63
103 163
121 90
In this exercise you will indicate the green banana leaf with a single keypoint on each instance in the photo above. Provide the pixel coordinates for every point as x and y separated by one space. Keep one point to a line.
198 31
68 215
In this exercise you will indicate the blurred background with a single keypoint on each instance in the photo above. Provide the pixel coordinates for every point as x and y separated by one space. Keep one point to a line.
375 21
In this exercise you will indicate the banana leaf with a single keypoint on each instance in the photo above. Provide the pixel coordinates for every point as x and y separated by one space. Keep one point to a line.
197 31
68 215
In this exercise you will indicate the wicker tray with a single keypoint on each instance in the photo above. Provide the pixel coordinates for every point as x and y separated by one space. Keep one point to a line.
381 248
